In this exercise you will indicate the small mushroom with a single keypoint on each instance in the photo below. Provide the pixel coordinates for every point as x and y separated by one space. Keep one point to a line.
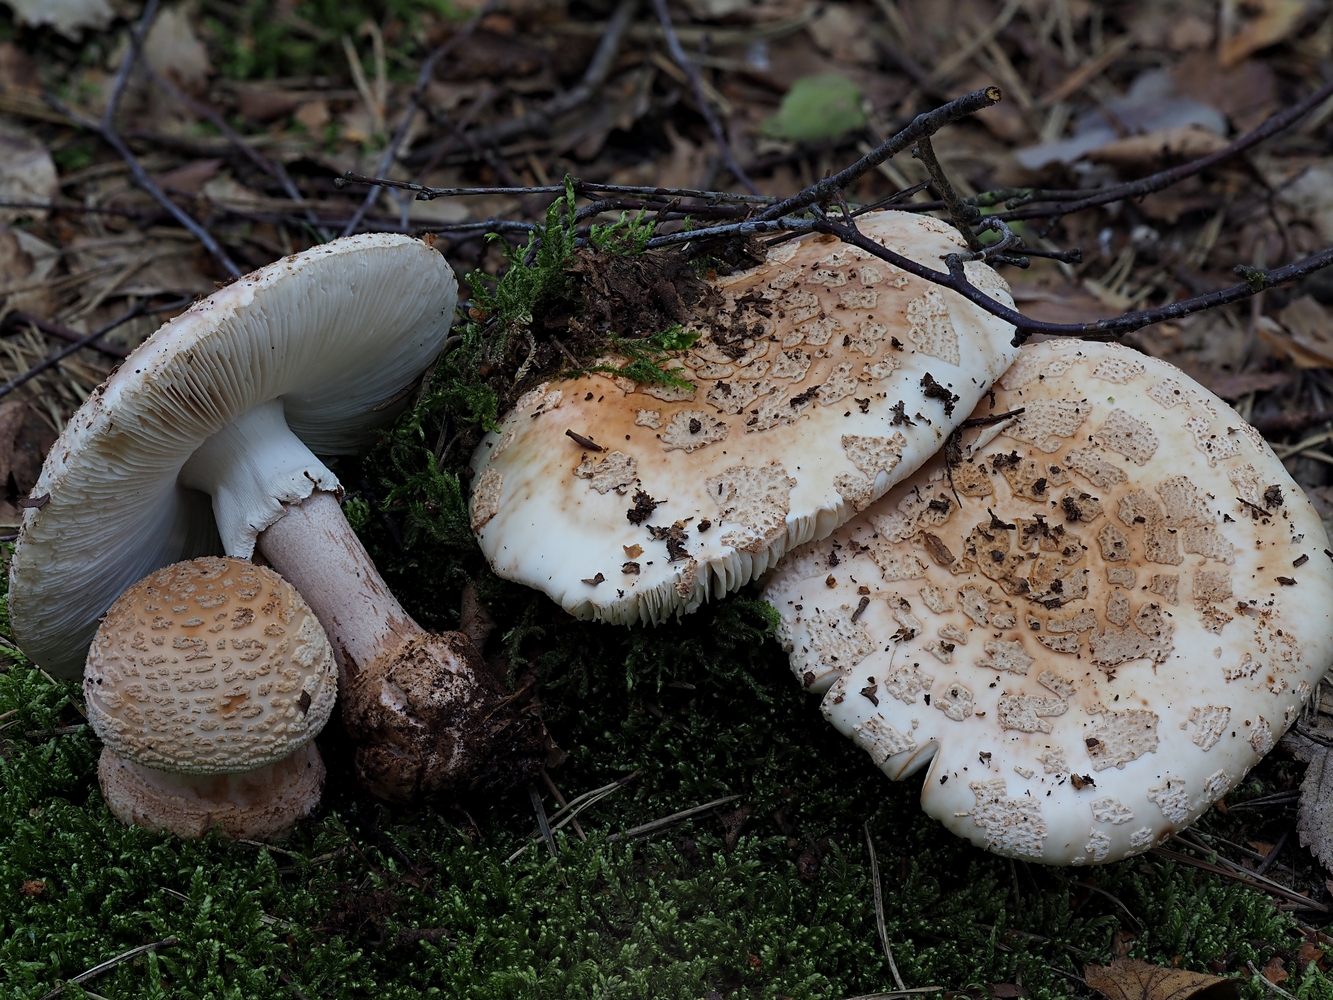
821 378
205 440
206 682
1079 620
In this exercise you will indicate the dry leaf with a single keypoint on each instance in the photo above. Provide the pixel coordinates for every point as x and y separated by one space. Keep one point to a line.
1314 813
69 17
1310 327
1262 847
1276 20
1128 979
190 178
1185 142
1274 972
843 33
260 105
173 49
313 115
24 441
17 71
27 173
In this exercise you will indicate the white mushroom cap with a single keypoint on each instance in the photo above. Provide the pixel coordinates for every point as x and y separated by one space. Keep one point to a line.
322 342
1123 616
264 804
811 400
211 666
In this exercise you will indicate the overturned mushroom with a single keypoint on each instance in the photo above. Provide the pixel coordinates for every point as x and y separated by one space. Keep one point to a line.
210 429
820 379
1087 620
206 682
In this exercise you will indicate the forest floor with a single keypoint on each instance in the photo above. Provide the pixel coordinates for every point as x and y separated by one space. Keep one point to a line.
245 116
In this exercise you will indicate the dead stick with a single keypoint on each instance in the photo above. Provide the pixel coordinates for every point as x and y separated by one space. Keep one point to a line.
105 127
697 85
65 333
413 104
923 125
672 820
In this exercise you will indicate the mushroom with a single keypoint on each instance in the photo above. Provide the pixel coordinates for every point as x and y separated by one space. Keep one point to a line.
204 440
1087 618
823 377
206 682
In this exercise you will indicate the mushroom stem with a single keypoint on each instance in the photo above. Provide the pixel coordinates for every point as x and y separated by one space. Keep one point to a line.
317 552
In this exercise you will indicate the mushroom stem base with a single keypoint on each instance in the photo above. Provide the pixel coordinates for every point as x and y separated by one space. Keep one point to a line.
264 804
429 720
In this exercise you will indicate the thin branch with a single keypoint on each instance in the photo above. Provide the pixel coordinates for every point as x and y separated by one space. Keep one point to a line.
111 963
425 193
64 333
1077 201
50 361
413 103
105 127
271 167
964 216
922 126
679 57
540 118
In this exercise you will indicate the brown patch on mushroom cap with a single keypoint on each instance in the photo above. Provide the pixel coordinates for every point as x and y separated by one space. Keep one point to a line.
211 666
794 378
263 804
1100 620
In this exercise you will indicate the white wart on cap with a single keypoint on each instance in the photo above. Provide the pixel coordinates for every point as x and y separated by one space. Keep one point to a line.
211 666
826 376
1088 623
229 403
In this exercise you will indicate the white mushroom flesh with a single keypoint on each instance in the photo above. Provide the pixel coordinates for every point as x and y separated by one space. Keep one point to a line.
820 407
1125 613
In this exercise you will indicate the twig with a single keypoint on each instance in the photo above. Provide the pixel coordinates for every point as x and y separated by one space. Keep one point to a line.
599 68
964 216
1275 799
672 820
879 910
54 359
922 126
64 333
413 103
1267 983
1077 201
679 57
1273 852
105 127
271 167
582 187
111 963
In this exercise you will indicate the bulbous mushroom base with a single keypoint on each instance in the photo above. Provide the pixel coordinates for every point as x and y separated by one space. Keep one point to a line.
264 804
429 720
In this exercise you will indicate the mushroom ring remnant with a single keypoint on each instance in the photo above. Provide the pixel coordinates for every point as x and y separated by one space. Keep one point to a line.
1088 621
821 378
206 682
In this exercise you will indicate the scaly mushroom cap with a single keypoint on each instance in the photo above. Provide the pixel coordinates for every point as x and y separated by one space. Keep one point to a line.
264 804
1089 621
319 348
825 377
211 666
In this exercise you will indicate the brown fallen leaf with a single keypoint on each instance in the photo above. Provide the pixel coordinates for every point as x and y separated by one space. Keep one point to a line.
1275 21
1274 972
1236 386
1305 334
1129 979
1314 813
1185 142
32 887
